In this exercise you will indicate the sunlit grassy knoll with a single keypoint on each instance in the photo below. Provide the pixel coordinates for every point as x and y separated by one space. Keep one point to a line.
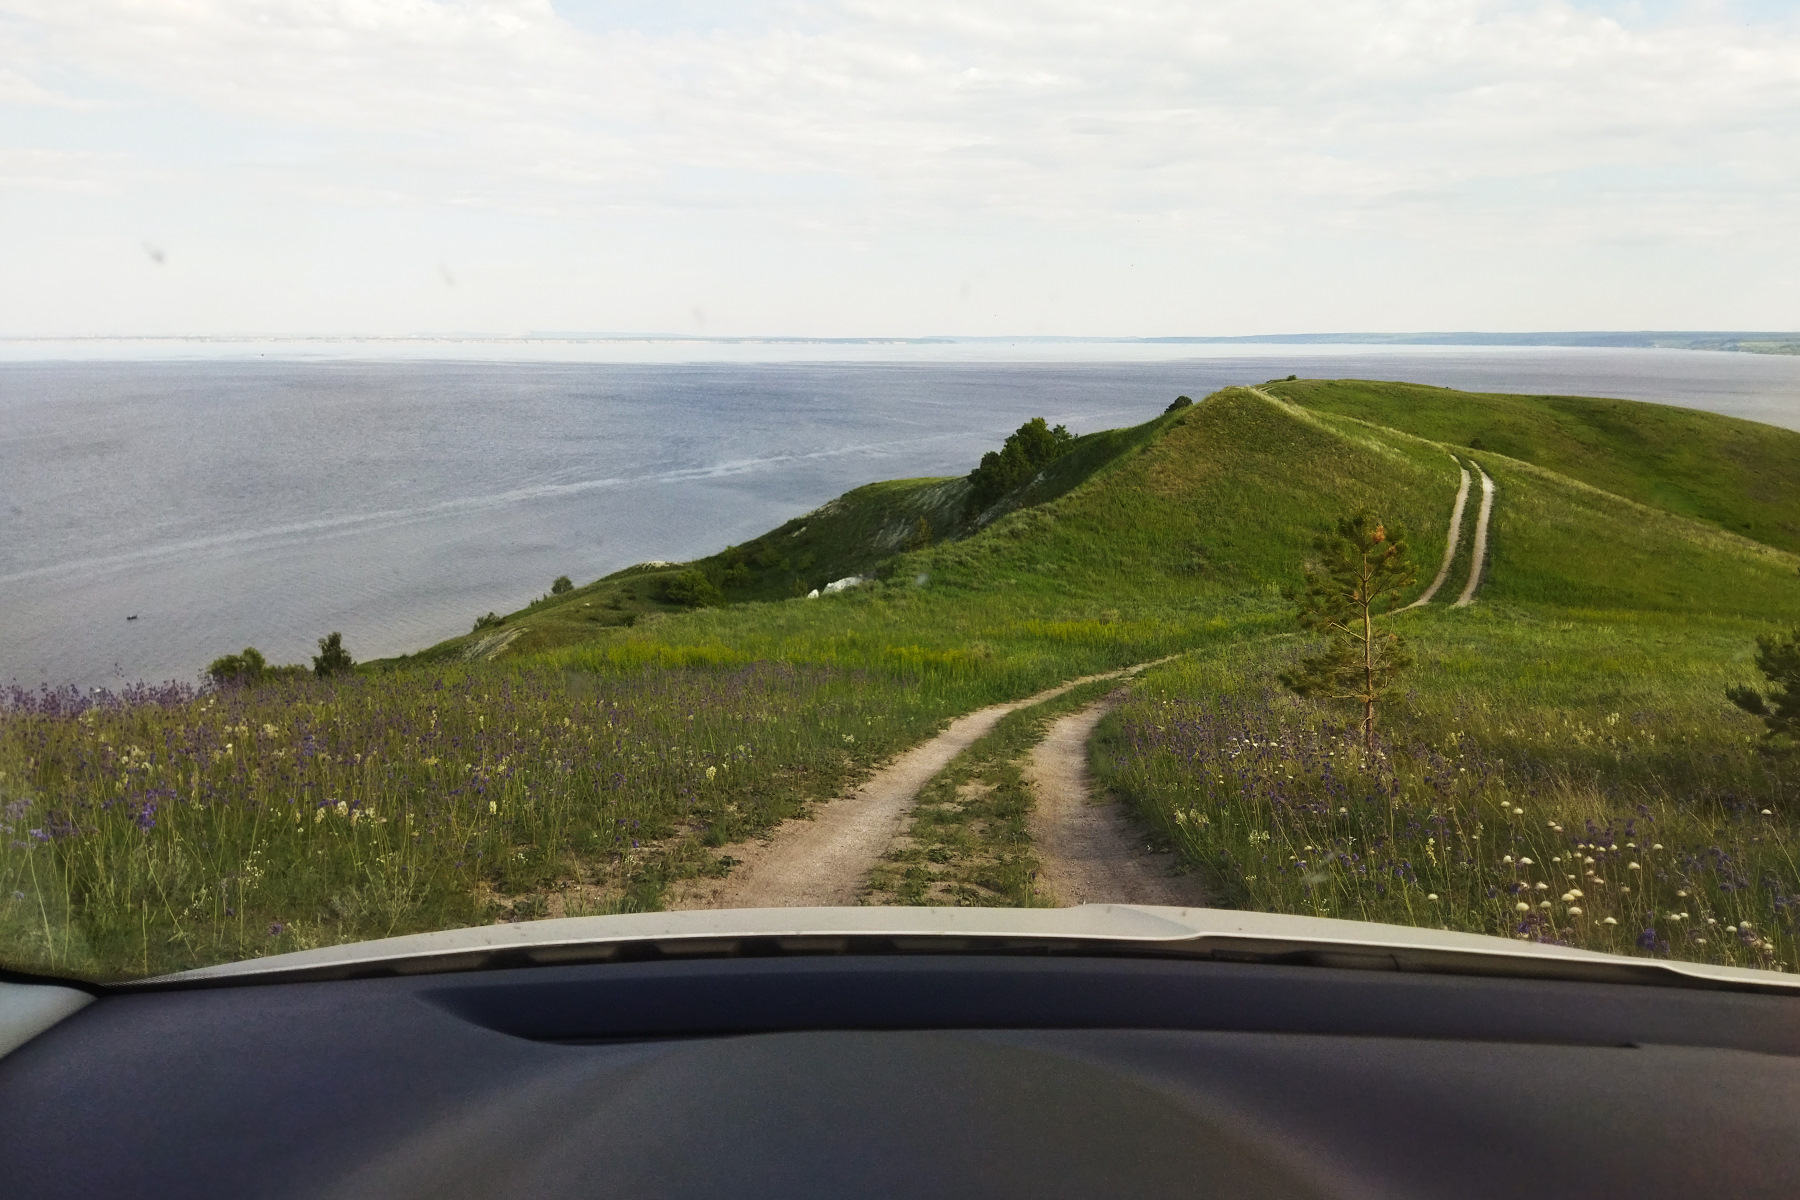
1740 475
1174 540
1535 760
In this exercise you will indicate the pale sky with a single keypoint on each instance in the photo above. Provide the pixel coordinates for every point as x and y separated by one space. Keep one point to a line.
896 167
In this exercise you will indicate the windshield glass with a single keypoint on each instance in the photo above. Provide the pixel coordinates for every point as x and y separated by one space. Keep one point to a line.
482 461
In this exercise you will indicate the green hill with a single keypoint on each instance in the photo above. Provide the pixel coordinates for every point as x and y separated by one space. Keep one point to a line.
1739 475
1139 537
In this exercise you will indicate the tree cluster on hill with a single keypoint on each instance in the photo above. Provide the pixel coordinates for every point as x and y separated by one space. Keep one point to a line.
1026 452
248 668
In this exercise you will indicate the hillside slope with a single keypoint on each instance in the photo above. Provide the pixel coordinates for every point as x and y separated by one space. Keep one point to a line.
1140 537
1739 475
1193 535
858 534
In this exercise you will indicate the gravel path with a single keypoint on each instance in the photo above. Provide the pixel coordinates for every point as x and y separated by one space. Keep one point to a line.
826 860
1089 852
1456 516
1479 556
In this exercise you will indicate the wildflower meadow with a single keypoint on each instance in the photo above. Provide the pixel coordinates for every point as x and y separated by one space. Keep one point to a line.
170 827
1600 834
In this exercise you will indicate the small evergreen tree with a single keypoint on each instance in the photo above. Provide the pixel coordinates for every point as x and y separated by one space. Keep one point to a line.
1778 658
332 658
1360 574
920 538
561 585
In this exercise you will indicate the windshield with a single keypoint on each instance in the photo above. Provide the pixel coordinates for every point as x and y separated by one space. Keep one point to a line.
483 461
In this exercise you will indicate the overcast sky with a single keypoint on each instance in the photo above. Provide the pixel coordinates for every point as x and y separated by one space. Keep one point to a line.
896 167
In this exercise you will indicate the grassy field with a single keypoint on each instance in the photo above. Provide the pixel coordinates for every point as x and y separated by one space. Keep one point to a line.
1610 799
1736 474
580 754
180 828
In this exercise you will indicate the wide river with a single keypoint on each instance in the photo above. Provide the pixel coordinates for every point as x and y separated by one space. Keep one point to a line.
239 500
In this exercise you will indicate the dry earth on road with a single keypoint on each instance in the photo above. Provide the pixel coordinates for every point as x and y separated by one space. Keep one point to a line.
1090 853
826 860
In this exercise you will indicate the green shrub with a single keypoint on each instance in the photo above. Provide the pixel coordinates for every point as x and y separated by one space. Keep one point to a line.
250 668
238 670
561 585
691 588
1026 452
1179 403
332 658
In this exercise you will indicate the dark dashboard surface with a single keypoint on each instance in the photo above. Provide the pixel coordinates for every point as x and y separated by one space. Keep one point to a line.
910 1076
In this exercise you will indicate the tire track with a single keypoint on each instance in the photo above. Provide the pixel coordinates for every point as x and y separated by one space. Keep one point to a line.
1450 543
1479 554
1089 852
827 860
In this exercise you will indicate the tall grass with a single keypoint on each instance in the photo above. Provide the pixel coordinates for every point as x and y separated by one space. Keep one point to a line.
172 828
1641 821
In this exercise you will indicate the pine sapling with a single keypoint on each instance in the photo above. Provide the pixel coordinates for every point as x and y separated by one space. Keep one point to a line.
1360 573
1778 658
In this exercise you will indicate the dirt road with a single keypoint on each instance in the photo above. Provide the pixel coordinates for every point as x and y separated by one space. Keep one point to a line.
1478 553
825 860
1456 516
1090 853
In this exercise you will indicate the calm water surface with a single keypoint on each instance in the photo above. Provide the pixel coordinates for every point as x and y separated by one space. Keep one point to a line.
233 503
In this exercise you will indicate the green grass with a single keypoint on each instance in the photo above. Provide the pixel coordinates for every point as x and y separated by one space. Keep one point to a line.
1536 737
1738 475
149 837
590 732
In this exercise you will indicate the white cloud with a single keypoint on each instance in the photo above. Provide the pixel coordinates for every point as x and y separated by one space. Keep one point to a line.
903 143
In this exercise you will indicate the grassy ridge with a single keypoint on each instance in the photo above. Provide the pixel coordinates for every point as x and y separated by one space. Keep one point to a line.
1739 475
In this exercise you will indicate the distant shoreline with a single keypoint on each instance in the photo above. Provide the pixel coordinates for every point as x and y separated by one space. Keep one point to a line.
651 349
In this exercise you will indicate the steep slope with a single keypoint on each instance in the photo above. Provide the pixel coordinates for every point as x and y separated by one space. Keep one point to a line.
857 534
